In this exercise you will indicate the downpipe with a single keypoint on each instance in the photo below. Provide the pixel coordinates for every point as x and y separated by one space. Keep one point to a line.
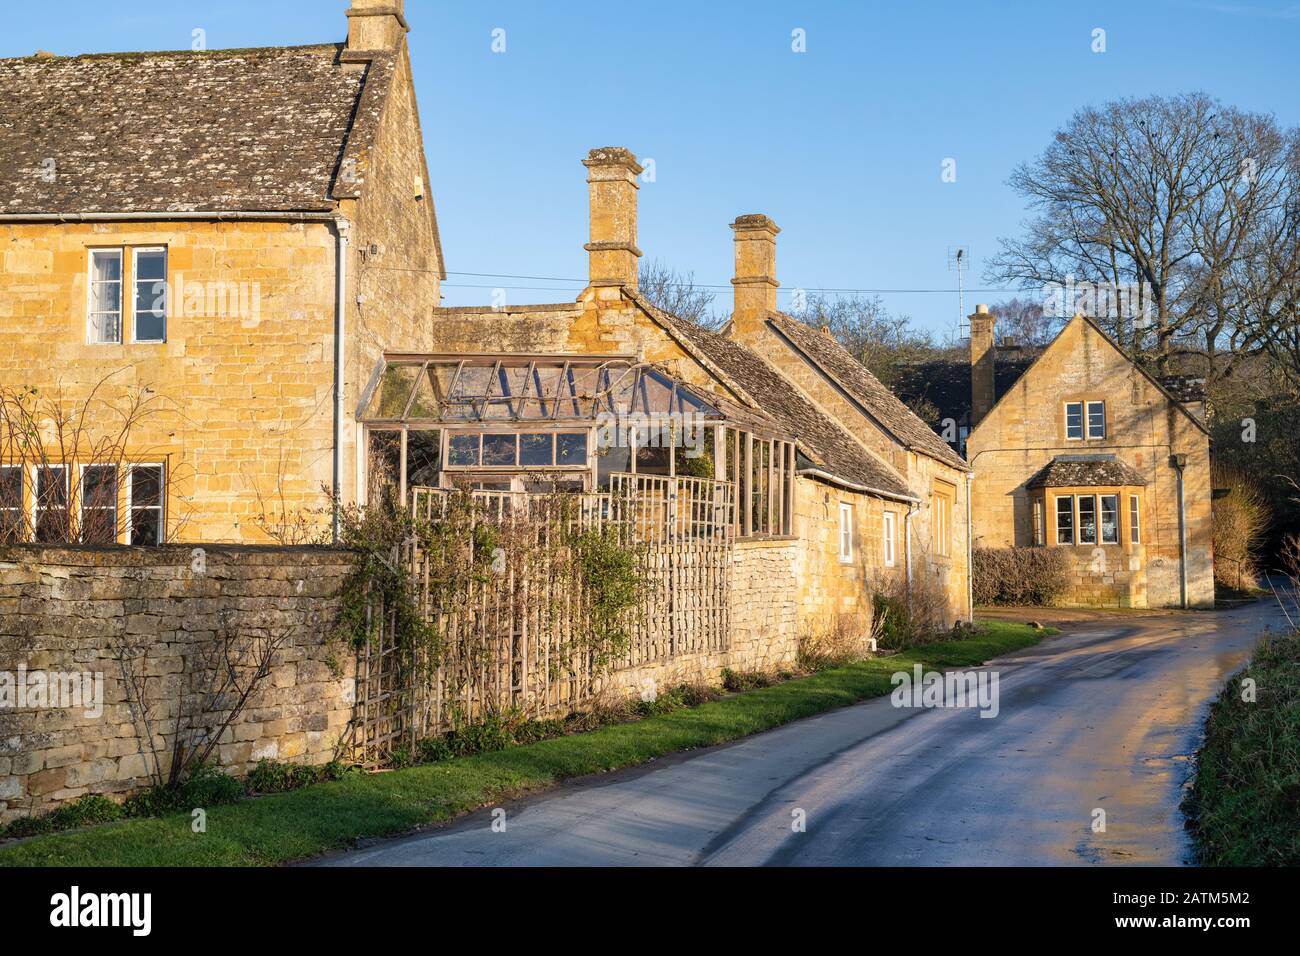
1179 462
343 229
970 553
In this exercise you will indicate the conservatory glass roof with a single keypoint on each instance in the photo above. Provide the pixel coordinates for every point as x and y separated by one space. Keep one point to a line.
507 389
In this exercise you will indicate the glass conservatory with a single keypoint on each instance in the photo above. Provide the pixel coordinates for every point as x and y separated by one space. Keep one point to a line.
539 423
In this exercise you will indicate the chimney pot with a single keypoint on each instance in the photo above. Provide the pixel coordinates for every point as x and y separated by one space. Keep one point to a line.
755 281
612 188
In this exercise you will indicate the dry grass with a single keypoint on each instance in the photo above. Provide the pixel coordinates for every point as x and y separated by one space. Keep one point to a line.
850 637
1240 518
910 615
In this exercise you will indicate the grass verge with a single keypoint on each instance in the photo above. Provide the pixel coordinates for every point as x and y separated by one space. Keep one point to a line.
287 826
1244 807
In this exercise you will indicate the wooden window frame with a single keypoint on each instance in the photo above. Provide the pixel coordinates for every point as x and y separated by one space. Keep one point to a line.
848 520
34 514
943 501
889 537
135 285
91 253
161 507
1083 420
1056 520
20 508
81 501
1087 420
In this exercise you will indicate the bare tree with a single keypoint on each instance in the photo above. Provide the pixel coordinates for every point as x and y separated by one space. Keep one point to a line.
46 439
1177 198
880 340
195 707
1024 321
677 294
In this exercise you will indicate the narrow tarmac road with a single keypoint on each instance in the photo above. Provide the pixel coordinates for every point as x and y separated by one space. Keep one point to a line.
1105 717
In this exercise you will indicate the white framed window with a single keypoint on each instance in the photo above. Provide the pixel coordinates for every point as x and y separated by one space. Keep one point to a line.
149 306
941 502
104 297
1109 518
1039 534
1134 520
1065 519
11 504
98 504
1096 419
1087 519
144 505
846 532
889 527
50 503
1074 421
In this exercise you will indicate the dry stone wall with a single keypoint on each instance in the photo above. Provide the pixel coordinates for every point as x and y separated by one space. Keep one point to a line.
82 611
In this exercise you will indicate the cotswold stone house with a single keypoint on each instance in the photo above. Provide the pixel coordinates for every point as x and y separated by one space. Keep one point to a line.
1077 447
238 232
267 275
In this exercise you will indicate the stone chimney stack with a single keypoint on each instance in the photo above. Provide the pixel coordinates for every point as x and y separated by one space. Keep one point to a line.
612 186
755 281
982 355
376 25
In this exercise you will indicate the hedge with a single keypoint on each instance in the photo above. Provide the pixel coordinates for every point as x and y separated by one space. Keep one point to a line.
1020 575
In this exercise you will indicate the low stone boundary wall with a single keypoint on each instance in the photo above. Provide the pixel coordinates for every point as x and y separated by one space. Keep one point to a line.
763 624
124 616
149 618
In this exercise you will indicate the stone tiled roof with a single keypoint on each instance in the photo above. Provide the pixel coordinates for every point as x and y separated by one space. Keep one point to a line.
221 131
1086 471
830 447
878 401
945 384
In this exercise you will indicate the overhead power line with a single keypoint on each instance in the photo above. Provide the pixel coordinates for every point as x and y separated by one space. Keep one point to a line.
581 283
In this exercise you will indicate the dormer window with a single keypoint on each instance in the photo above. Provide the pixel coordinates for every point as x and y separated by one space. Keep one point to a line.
1085 418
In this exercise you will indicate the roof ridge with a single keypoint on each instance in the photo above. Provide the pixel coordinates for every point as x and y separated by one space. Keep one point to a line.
923 441
683 331
145 54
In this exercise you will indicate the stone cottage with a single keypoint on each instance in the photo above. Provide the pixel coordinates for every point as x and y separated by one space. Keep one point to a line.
230 237
830 470
1078 447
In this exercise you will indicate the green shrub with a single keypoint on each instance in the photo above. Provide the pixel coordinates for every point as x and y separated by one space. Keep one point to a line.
1037 576
271 776
734 681
84 811
206 787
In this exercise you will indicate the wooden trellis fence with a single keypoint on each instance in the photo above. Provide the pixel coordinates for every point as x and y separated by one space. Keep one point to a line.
516 639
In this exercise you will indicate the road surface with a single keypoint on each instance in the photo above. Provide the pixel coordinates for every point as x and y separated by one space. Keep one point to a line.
1103 717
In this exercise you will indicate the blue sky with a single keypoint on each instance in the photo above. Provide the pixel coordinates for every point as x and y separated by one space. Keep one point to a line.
842 145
